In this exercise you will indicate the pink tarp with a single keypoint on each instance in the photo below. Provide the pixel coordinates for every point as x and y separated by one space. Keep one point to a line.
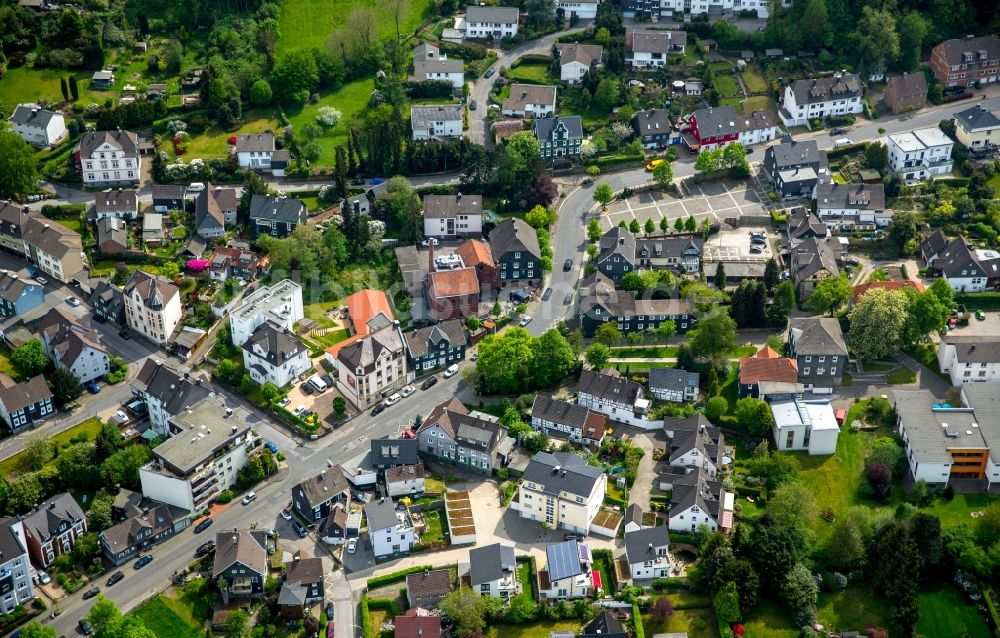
197 265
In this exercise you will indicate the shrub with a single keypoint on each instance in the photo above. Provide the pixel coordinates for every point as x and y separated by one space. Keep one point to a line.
328 116
226 496
395 577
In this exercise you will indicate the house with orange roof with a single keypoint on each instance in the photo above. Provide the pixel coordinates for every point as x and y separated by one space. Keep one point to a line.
477 254
452 294
769 375
859 291
365 305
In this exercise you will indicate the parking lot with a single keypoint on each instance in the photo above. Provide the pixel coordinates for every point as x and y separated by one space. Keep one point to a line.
735 245
716 201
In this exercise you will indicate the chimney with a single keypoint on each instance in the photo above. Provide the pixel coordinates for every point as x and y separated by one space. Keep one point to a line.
430 255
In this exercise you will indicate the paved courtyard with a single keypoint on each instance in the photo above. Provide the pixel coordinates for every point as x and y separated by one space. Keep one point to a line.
717 201
735 245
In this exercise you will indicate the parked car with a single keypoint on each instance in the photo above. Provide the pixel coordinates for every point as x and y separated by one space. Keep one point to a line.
284 401
489 72
428 383
451 371
547 294
472 105
90 593
475 356
142 562
285 514
205 548
271 447
327 379
41 280
568 299
524 321
121 416
352 546
86 627
203 525
43 577
357 182
249 498
307 388
73 301
298 410
980 315
568 266
299 528
407 391
360 497
838 131
329 610
427 242
652 165
93 388
756 250
116 577
377 410
124 335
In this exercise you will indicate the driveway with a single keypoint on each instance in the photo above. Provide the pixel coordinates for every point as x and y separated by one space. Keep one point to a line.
645 475
715 201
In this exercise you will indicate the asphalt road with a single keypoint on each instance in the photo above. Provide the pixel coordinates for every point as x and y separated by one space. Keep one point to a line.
303 461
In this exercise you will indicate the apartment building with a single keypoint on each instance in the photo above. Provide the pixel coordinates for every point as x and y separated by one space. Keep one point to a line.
25 404
390 530
840 94
276 356
491 23
279 304
109 157
166 393
852 207
371 367
436 120
152 306
473 442
74 346
967 61
52 528
54 248
562 491
448 216
920 154
15 567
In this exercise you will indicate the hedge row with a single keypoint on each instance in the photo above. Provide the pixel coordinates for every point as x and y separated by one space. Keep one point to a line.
640 632
366 619
387 604
396 577
611 500
665 584
991 607
749 490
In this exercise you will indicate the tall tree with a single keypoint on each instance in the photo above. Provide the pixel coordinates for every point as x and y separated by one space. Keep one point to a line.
65 386
663 174
875 38
398 9
877 322
598 355
17 165
603 195
64 88
913 28
466 609
800 594
814 26
720 276
554 358
771 275
340 171
608 334
29 358
74 90
829 294
714 335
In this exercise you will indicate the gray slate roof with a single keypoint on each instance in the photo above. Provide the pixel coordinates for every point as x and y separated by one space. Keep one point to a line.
31 114
792 152
387 452
449 206
248 548
561 412
168 386
953 49
544 127
421 341
976 118
695 432
573 475
278 346
126 141
825 89
617 241
817 335
981 349
381 514
488 564
283 209
655 41
604 625
44 522
436 582
696 488
652 122
512 235
633 514
562 560
479 13
255 143
610 387
422 116
10 544
327 485
637 543
850 196
811 256
672 378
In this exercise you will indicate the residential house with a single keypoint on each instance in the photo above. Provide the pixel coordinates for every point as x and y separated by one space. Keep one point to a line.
671 10
514 245
314 498
576 59
945 443
449 216
920 154
600 303
240 565
37 126
561 490
390 530
405 480
805 425
803 225
891 285
673 384
275 216
559 136
229 261
276 356
974 128
852 207
529 100
565 420
109 157
611 394
697 500
804 100
968 269
15 566
25 404
616 253
768 374
107 303
650 49
490 23
214 209
439 69
931 246
112 236
794 168
452 294
387 453
55 249
168 197
152 229
695 443
370 368
279 304
53 527
817 345
451 435
680 254
102 80
18 296
427 588
493 571
813 260
436 120
255 151
477 254
693 87
567 572
166 392
716 127
969 359
647 552
335 526
120 203
436 346
364 306
12 219
73 345
966 62
209 443
140 532
307 573
633 518
582 9
152 306
653 128
905 93
358 204
417 625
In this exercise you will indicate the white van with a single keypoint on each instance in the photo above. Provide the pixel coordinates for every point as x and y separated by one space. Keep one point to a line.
317 383
842 142
451 371
196 187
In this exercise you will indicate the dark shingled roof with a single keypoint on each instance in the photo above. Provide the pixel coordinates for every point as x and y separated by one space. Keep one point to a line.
278 346
819 90
617 241
818 335
850 196
696 488
488 564
512 235
637 543
976 118
546 125
247 548
561 412
319 489
435 582
953 49
610 387
573 476
283 209
975 349
672 378
388 452
381 514
422 340
44 522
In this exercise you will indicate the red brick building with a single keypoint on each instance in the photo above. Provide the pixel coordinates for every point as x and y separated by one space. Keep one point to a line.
453 294
965 61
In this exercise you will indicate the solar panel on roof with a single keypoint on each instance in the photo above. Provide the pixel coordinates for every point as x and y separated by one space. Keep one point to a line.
563 560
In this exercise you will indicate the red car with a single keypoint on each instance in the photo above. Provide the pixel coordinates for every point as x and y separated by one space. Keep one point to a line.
329 628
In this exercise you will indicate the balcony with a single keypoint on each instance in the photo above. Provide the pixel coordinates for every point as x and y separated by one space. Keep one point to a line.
241 586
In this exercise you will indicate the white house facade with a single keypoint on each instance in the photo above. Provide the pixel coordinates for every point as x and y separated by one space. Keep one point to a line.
969 359
920 154
109 157
280 304
37 126
841 94
490 22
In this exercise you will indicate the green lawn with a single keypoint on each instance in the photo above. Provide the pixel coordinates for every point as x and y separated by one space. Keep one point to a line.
434 527
901 375
727 85
524 577
106 268
531 630
212 143
879 366
167 618
994 183
696 622
308 23
754 80
6 367
666 352
854 608
756 103
531 72
73 224
350 99
28 84
946 612
16 464
769 621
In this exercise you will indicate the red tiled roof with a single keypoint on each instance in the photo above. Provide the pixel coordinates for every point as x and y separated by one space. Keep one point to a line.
418 626
365 304
474 252
766 365
859 291
453 283
595 426
335 349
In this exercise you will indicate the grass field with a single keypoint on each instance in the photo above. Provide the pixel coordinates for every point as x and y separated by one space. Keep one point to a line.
18 463
726 84
901 375
6 367
212 143
308 23
531 630
350 99
944 612
696 622
769 621
754 80
532 73
73 224
28 84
